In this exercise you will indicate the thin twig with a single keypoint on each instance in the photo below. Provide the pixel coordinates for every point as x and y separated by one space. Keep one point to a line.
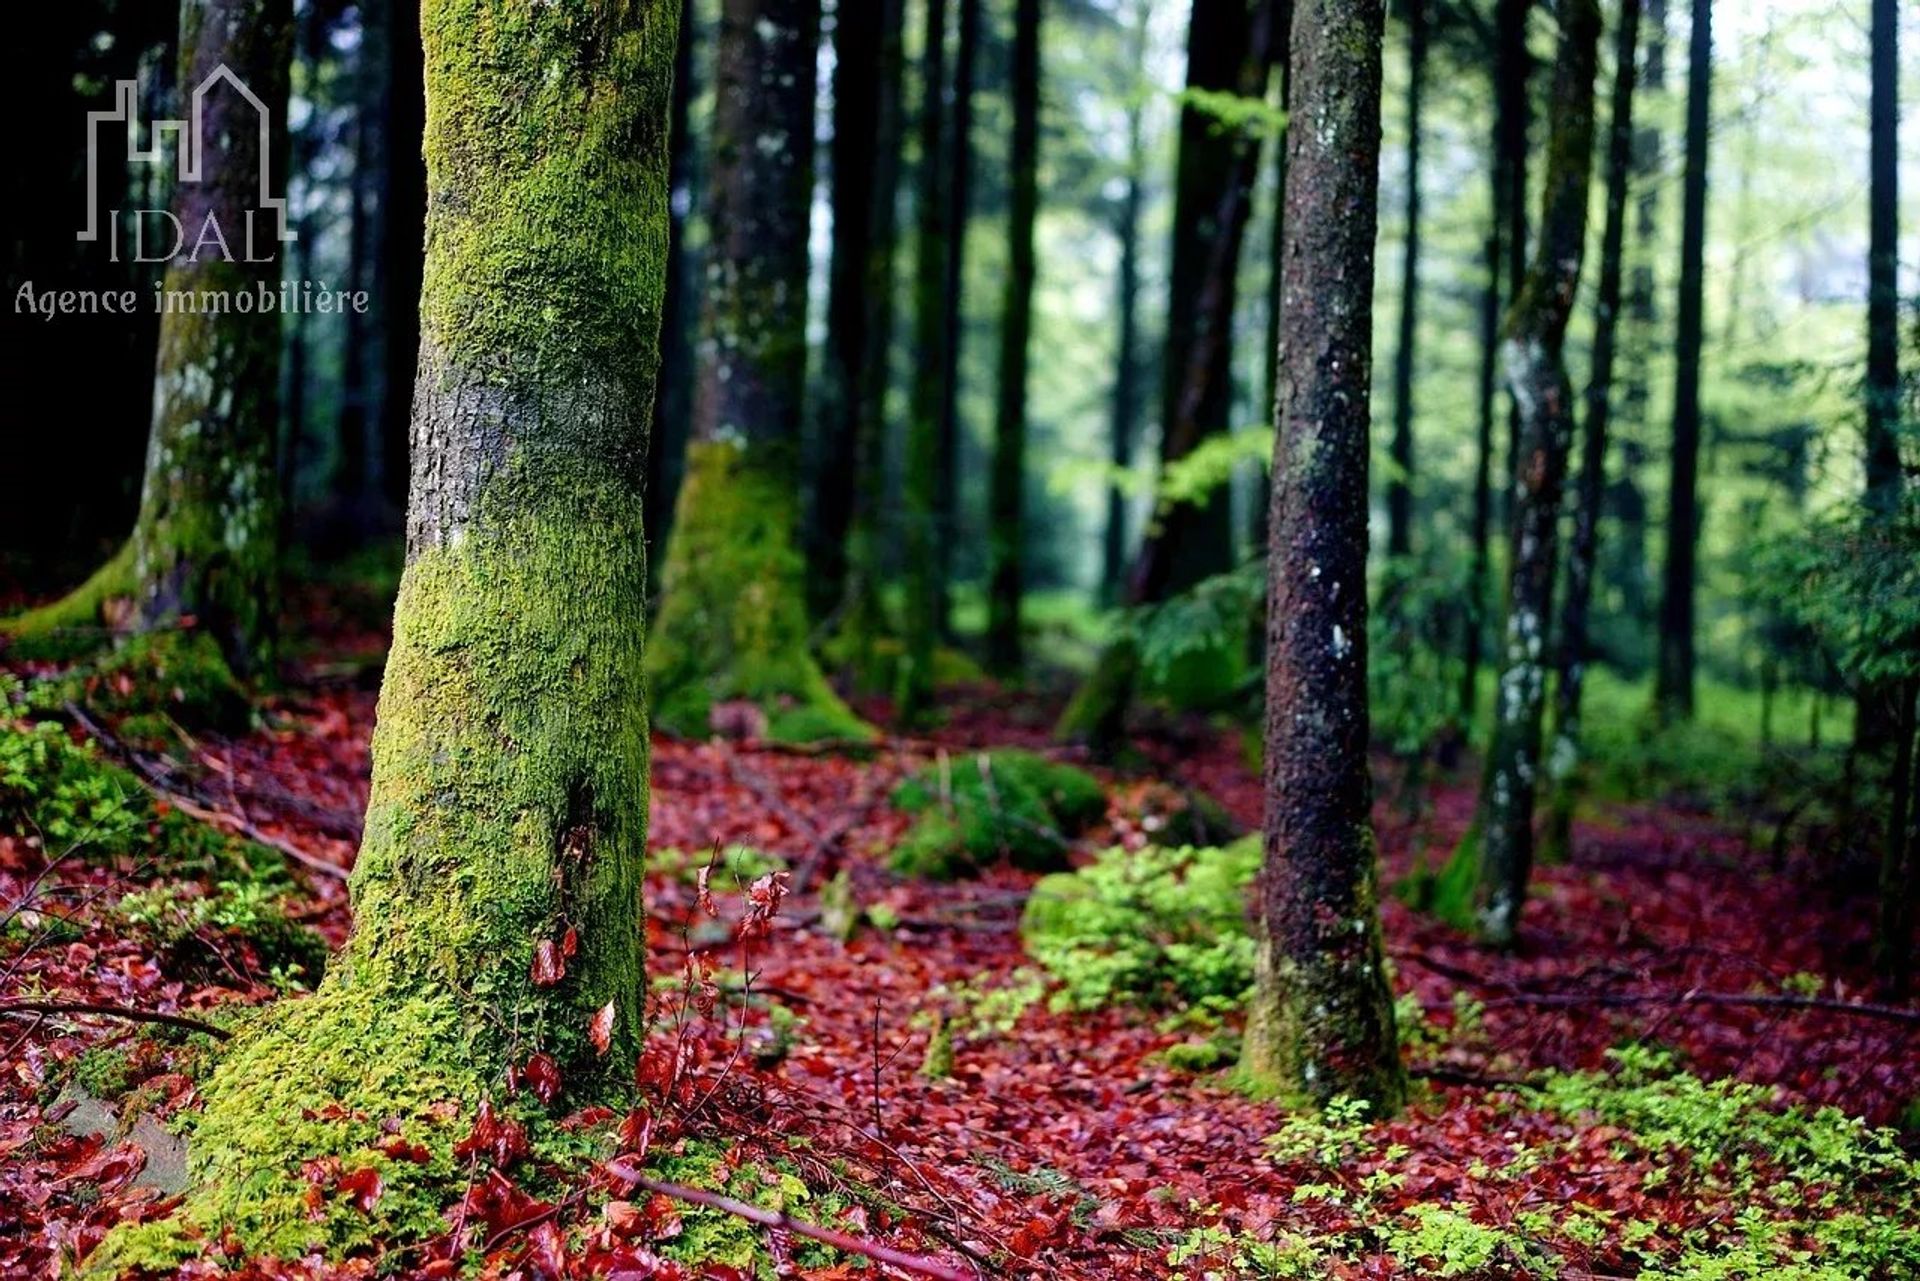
920 1265
10 1005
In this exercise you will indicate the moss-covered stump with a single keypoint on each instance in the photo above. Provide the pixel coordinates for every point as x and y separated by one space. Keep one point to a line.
978 808
733 624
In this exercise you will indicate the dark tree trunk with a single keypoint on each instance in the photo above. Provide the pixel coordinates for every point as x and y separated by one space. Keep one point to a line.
1481 528
1893 926
1006 529
403 193
1673 691
1499 851
913 695
1276 274
206 543
673 398
1321 1024
1513 112
1627 500
732 624
1590 494
863 32
1400 484
1126 376
507 815
958 187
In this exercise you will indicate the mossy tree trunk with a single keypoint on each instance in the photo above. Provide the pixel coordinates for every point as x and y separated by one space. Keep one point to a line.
497 893
1673 689
1321 1023
1499 851
1007 530
1400 484
205 545
1563 757
733 623
851 481
913 692
673 394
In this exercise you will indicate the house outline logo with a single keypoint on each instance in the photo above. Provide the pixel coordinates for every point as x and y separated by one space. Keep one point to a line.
187 146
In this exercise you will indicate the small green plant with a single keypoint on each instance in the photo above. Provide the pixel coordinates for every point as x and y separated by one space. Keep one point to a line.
1154 926
196 929
977 808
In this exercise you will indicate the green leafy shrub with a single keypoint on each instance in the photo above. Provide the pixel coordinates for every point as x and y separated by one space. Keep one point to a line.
1156 926
980 807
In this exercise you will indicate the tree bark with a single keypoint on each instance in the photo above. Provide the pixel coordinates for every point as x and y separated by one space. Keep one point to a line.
1499 851
673 393
959 194
1125 418
732 625
497 892
913 693
1400 484
1513 114
1007 580
1322 1024
1563 757
1673 691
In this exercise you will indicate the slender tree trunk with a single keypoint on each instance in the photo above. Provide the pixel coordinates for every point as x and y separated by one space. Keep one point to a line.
1007 580
860 39
1400 484
1893 930
913 695
1875 712
1498 853
497 894
1276 277
862 621
958 188
206 543
1673 692
1590 495
1126 376
1321 1025
1513 113
732 625
673 398
1481 528
1627 500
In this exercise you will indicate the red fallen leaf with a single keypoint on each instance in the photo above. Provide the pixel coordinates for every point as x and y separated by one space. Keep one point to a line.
625 1171
570 943
623 1218
500 1206
501 1138
364 1187
600 1031
549 1253
549 967
703 893
398 1149
542 1076
636 1132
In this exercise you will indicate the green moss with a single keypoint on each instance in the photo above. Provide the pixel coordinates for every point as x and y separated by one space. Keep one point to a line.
1157 926
210 932
733 624
980 807
105 1071
78 623
1097 713
179 673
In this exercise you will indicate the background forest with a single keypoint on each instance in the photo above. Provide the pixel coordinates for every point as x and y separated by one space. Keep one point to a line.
1097 638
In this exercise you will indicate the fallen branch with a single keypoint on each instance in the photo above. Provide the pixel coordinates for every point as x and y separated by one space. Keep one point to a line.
917 1264
11 1005
154 778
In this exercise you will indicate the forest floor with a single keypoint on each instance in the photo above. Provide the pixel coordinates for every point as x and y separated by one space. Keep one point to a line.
1061 1143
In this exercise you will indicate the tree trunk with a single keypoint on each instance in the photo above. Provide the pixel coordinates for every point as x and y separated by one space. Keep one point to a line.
1126 375
205 545
958 189
1673 692
497 894
913 693
403 185
1893 930
1276 279
673 398
1006 529
1564 756
1498 853
1400 484
1513 112
1322 1024
1627 500
732 625
860 322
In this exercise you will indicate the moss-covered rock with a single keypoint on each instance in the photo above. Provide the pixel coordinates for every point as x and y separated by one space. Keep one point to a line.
977 808
732 625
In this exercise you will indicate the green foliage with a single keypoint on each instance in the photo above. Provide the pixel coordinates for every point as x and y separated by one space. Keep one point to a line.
1233 113
1193 645
983 806
1156 926
1414 646
179 673
196 928
1853 581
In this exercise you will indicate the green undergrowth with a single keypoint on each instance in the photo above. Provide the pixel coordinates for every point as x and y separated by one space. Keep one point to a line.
976 808
59 795
1734 1188
232 926
1160 926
